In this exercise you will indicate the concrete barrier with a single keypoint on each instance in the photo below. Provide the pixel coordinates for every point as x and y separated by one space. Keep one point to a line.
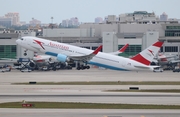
133 88
32 82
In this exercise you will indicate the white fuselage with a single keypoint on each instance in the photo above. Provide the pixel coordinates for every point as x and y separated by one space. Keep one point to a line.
168 59
101 59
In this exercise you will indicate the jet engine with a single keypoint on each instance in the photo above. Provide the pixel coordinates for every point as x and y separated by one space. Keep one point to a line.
32 64
62 58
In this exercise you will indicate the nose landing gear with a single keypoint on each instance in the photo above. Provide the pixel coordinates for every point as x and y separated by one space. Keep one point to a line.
25 54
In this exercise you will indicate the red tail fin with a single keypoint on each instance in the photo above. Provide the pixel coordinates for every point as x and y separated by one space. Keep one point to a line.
147 55
123 48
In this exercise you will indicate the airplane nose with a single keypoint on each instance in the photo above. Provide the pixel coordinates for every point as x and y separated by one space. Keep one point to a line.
17 41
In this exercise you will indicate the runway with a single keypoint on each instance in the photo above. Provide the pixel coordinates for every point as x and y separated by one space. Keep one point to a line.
87 93
88 113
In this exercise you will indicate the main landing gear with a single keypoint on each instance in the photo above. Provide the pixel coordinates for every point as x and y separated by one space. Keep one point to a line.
79 67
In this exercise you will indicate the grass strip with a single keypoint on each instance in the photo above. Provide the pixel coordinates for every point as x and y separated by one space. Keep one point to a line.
102 83
73 105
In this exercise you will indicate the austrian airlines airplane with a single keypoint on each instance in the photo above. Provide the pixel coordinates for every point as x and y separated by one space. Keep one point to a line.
169 60
65 53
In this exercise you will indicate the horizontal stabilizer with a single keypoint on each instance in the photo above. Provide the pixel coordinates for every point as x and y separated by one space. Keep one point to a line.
147 67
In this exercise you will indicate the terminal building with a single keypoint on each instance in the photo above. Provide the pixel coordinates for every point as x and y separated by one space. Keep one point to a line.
139 29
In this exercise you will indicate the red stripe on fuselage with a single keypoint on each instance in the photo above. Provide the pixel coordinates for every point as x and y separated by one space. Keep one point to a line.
39 61
141 59
163 59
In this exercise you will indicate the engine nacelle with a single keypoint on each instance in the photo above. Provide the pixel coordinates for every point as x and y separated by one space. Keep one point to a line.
62 58
32 64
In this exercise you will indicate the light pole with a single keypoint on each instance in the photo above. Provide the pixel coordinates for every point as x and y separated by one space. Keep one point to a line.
52 20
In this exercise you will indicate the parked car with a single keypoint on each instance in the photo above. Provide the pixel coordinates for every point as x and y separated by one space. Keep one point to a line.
176 69
158 70
5 68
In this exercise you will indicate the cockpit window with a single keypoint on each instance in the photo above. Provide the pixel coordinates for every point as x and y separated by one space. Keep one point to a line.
21 38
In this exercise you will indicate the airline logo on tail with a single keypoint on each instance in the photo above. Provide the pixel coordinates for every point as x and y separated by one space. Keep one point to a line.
151 52
40 43
145 57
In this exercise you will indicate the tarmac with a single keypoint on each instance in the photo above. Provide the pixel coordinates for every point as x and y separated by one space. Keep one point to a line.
87 93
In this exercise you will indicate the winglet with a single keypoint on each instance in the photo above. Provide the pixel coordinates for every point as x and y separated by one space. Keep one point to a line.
86 57
120 50
123 48
97 50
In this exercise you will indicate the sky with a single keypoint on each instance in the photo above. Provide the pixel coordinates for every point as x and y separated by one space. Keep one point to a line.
85 10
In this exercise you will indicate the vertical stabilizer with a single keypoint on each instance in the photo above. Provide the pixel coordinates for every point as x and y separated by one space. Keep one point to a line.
147 55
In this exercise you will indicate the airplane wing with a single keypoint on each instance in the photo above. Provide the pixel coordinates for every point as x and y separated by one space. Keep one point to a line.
120 50
85 57
167 57
175 61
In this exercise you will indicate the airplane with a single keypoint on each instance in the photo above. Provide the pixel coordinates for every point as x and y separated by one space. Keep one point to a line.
169 60
66 53
40 62
47 62
43 62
